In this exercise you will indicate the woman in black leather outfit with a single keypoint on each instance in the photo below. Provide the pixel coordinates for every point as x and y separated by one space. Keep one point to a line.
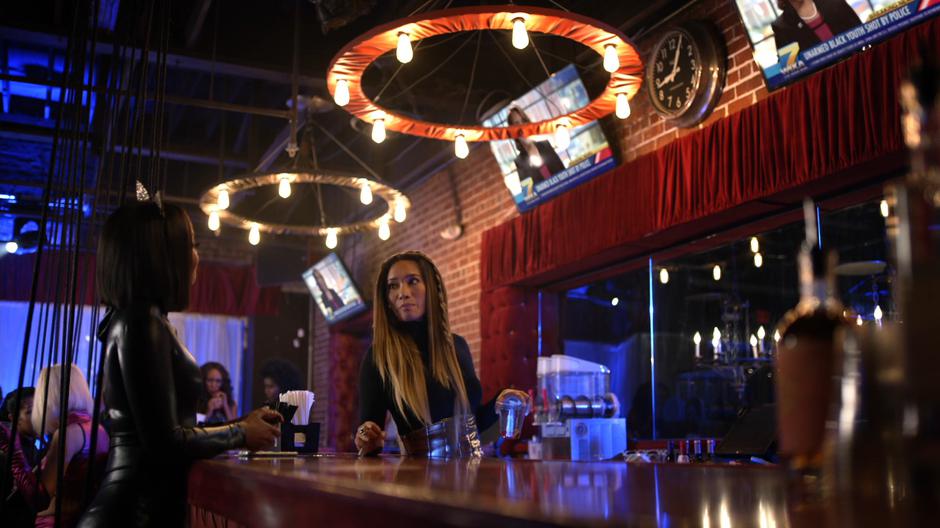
146 263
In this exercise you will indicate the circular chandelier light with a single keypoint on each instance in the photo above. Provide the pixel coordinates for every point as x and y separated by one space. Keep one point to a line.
218 210
620 58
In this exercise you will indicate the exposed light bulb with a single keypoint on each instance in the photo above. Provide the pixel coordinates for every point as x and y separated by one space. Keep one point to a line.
461 149
884 208
400 212
331 238
716 337
223 201
513 184
378 130
753 340
611 60
623 106
520 38
341 94
755 245
878 314
761 333
858 320
283 187
214 222
365 194
12 247
254 235
716 272
615 301
664 276
404 53
562 136
776 336
758 260
384 230
697 338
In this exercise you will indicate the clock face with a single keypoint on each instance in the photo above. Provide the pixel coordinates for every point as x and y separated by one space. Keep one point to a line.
674 73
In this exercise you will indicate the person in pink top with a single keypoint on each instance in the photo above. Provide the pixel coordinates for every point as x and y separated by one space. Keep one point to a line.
39 486
810 22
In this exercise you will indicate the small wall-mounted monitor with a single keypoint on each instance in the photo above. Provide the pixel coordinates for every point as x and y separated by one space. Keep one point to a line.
333 289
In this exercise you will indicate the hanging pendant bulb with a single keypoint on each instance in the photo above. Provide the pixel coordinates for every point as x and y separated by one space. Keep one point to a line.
562 135
254 235
461 149
697 338
331 238
883 206
283 186
341 94
404 53
214 222
761 333
878 314
520 38
611 60
758 260
755 245
384 230
623 106
365 194
223 202
858 320
664 276
776 336
716 272
378 130
400 213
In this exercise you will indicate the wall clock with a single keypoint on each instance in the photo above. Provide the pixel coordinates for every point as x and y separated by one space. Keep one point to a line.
686 73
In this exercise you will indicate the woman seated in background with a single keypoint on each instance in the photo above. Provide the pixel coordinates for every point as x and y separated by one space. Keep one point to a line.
280 376
216 402
417 369
39 489
146 263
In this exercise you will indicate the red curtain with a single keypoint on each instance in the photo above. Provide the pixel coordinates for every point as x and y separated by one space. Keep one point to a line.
822 127
219 289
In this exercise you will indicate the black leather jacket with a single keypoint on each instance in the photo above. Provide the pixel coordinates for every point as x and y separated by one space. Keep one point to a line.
151 385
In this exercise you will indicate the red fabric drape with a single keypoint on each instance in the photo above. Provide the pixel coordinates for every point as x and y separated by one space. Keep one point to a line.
219 289
819 128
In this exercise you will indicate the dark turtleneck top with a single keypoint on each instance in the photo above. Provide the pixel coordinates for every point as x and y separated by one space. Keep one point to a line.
376 397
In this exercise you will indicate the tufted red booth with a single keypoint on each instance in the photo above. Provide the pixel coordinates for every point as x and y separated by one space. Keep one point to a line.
509 328
348 345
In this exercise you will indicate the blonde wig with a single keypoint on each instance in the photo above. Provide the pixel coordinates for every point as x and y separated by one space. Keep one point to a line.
395 353
80 399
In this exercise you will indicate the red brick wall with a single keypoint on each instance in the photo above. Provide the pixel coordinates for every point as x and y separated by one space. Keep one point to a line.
486 202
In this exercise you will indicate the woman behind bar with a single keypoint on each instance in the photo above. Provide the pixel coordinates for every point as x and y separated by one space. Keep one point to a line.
417 368
147 261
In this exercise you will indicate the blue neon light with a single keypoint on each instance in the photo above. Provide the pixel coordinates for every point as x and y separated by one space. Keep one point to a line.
652 352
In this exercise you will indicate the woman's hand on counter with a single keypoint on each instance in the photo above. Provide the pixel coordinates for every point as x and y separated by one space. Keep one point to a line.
369 438
262 428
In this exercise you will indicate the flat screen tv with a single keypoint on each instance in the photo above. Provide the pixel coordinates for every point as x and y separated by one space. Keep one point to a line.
535 169
790 44
333 289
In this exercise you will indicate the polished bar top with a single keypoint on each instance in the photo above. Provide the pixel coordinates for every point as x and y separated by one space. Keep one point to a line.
322 490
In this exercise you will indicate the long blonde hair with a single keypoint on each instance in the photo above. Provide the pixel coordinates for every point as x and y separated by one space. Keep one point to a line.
396 354
51 399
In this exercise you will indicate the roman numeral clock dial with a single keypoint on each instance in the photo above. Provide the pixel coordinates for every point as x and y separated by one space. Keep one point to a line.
686 72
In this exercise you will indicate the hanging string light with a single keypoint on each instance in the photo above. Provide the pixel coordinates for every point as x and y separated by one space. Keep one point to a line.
755 245
761 333
520 37
254 235
758 260
378 130
461 149
611 60
283 186
223 202
332 240
341 93
623 106
404 53
883 206
384 230
400 212
664 276
214 222
365 193
716 272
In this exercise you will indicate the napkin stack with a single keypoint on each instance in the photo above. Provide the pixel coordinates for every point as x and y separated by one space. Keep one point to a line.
304 401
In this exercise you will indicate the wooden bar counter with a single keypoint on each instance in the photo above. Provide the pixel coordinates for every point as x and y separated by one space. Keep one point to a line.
341 490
